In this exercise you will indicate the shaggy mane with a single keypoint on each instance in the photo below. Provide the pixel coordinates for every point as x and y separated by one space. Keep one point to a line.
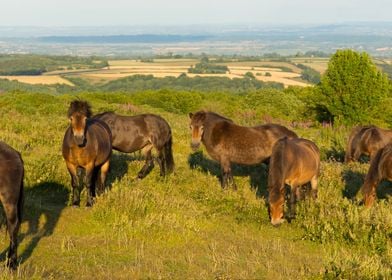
79 106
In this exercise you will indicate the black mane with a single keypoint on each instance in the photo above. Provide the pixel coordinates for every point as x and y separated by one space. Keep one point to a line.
82 107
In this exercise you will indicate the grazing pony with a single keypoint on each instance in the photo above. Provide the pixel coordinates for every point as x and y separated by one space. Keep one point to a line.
11 196
380 169
229 143
294 162
142 132
87 146
366 140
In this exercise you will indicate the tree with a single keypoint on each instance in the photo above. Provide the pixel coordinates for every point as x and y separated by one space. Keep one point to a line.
352 90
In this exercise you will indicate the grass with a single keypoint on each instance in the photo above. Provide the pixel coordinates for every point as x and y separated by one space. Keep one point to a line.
184 226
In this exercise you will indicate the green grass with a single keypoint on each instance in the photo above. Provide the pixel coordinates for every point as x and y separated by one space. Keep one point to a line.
184 226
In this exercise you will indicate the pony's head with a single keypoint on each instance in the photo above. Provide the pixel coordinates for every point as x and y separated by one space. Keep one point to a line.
197 128
276 209
78 113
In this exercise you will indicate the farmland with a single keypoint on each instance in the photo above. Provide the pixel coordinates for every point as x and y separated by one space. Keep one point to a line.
41 79
286 73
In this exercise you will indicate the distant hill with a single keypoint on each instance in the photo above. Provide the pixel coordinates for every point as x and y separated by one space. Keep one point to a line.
256 39
119 39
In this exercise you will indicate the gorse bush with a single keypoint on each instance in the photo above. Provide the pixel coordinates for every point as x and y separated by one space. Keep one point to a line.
352 90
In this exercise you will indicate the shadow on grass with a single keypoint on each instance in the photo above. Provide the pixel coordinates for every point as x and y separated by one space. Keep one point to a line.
354 181
43 205
257 173
333 154
119 166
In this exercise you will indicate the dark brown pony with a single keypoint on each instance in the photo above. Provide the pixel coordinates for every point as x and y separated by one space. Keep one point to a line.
294 162
229 143
142 132
87 146
380 169
11 196
366 140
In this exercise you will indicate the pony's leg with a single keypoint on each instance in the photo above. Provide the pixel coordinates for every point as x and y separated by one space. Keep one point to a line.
149 164
13 224
357 154
73 171
227 176
161 162
293 200
101 180
89 184
314 187
231 181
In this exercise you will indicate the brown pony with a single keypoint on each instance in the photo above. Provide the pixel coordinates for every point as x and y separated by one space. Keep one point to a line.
366 140
294 162
87 146
380 169
229 143
142 132
11 196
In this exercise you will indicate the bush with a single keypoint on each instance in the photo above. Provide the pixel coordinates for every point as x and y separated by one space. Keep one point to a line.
352 90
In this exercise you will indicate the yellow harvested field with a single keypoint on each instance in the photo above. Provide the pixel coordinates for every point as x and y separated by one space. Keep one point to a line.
318 64
174 67
125 68
319 67
156 62
34 80
263 64
285 81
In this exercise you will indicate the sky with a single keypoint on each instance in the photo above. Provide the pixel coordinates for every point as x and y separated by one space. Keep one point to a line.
182 12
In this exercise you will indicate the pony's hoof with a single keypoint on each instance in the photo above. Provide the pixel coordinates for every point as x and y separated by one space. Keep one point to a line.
12 264
75 204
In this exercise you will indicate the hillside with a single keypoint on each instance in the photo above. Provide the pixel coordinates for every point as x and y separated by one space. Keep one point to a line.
186 226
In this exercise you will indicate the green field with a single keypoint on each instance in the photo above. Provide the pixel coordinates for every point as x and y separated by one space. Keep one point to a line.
185 226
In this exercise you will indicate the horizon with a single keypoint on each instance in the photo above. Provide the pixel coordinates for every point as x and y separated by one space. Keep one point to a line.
154 12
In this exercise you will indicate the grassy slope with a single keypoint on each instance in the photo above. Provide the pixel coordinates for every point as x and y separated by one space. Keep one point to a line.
184 226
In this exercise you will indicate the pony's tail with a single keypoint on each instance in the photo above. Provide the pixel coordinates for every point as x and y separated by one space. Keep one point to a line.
372 178
373 173
168 160
276 170
21 199
348 157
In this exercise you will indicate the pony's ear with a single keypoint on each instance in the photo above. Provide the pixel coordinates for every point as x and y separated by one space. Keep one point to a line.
191 115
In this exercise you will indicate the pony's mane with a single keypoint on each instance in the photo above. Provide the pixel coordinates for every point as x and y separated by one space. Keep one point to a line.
82 107
202 115
103 113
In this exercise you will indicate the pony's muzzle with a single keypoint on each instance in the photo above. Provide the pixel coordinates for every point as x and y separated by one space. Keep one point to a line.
195 145
80 139
277 222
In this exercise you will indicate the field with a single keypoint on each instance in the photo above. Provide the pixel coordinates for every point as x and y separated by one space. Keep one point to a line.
42 79
282 72
174 67
185 226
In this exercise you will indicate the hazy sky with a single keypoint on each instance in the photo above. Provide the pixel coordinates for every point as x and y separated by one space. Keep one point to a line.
178 12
